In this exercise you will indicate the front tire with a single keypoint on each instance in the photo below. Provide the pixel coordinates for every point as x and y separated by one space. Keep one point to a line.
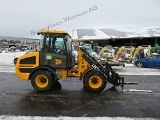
139 64
42 80
94 81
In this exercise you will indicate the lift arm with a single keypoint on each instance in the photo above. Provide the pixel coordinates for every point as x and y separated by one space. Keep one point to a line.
112 76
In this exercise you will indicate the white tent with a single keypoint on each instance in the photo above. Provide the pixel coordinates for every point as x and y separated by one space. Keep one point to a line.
114 33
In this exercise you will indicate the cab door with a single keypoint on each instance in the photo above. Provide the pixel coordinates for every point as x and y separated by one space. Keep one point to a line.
54 52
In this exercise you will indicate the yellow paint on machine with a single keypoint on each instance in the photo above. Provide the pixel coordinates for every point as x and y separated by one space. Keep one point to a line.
41 84
95 82
63 73
81 66
53 31
25 76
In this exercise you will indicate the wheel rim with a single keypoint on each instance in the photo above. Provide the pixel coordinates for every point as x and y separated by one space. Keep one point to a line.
95 82
139 64
41 81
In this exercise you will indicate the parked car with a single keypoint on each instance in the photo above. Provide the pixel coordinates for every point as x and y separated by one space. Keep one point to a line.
152 61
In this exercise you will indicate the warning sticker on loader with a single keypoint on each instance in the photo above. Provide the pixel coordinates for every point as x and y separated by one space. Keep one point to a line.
49 57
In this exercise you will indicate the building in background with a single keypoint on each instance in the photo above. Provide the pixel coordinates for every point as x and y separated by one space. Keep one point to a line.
118 37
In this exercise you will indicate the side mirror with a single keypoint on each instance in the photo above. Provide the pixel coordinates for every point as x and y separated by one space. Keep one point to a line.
38 33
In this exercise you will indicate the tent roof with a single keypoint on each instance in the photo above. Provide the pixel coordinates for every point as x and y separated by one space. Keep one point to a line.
114 33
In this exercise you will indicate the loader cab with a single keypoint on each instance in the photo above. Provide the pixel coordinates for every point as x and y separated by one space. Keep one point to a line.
56 49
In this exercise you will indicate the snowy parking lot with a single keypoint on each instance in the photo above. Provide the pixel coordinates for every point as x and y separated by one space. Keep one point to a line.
7 58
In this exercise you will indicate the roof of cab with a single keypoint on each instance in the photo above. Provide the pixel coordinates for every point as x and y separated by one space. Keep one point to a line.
52 31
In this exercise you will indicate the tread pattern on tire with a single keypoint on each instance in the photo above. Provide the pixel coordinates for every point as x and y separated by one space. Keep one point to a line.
86 81
51 81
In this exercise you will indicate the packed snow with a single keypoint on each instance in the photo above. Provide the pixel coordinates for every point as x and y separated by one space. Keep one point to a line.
69 118
7 58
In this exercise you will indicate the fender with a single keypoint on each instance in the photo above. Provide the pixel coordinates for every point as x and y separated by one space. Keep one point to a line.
83 74
47 68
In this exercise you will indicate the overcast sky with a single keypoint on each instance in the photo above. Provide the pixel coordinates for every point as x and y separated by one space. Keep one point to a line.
20 18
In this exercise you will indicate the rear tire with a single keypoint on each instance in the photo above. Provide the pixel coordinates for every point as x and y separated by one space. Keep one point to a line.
94 81
139 64
41 80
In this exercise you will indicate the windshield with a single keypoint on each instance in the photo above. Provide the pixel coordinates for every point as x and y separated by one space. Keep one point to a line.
153 57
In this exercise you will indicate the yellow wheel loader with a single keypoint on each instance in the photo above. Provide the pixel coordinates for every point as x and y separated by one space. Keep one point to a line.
55 61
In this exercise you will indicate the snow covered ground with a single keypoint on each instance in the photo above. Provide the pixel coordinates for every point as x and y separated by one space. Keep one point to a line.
130 69
7 58
69 118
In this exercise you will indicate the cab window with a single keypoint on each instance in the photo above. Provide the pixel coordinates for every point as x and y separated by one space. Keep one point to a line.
55 44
